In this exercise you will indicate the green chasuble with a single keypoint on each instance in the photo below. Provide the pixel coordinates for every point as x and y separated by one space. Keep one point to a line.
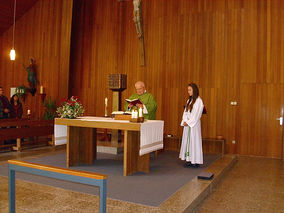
149 101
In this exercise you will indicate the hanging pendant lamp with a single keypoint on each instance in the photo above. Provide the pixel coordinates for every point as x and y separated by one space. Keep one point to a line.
13 52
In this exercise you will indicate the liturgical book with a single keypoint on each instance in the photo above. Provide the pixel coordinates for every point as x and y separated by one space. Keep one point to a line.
205 175
134 101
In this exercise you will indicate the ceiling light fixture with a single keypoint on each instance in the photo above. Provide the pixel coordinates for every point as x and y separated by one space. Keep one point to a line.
13 52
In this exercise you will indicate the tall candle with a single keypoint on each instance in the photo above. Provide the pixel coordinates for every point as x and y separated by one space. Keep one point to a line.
132 114
105 107
140 113
135 114
41 89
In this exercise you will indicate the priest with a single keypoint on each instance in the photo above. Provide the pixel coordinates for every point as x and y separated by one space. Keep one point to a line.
149 104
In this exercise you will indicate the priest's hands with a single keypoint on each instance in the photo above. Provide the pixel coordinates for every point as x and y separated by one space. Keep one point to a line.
185 124
139 105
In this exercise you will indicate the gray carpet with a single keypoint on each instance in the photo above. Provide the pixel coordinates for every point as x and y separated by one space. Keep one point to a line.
167 175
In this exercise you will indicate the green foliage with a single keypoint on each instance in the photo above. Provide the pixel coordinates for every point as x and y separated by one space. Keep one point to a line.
50 109
21 90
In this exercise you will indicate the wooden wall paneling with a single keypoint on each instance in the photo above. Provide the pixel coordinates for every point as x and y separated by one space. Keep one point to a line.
276 41
263 50
261 102
247 110
64 41
1 57
7 10
280 44
274 111
41 33
227 47
249 42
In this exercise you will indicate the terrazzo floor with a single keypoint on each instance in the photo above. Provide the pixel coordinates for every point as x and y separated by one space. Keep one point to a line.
253 184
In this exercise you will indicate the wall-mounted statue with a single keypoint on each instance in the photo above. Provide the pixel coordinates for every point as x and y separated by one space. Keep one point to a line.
31 69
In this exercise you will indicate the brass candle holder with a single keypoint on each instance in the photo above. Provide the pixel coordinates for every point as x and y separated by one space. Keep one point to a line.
137 120
42 96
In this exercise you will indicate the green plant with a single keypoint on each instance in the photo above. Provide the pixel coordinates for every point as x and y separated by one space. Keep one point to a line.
71 108
50 109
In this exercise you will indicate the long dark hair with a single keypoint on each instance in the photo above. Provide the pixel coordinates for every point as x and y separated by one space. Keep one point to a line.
12 100
192 99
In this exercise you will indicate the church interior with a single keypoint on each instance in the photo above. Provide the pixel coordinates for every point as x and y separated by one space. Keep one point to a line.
174 106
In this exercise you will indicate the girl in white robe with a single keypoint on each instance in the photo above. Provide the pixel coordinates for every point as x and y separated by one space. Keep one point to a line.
191 146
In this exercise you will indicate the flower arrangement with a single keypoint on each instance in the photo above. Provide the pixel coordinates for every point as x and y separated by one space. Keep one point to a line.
71 108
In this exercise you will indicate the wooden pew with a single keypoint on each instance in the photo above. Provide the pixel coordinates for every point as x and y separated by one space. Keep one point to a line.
25 128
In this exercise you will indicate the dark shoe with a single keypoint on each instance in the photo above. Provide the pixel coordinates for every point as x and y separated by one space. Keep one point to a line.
195 165
187 164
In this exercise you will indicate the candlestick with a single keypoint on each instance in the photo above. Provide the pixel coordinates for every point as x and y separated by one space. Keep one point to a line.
42 96
105 107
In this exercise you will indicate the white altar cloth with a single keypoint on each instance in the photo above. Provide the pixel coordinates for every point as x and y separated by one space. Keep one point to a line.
151 133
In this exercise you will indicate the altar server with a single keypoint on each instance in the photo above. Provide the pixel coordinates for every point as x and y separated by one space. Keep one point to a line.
191 147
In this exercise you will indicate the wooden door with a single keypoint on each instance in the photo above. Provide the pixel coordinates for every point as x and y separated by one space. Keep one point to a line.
260 132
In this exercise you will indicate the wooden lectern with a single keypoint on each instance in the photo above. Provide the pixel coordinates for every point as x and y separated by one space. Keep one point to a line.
116 83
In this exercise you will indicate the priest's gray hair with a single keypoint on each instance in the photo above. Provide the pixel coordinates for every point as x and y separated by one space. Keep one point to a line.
141 83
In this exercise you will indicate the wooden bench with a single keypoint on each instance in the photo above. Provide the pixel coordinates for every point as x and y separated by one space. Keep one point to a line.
220 141
23 128
172 143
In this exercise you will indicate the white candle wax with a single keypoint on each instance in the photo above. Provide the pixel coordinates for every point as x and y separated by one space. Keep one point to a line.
105 101
136 114
132 114
140 112
41 89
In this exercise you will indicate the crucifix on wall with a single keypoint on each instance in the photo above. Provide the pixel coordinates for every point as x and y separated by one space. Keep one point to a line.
138 20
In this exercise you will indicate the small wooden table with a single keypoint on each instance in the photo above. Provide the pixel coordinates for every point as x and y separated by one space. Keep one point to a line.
82 142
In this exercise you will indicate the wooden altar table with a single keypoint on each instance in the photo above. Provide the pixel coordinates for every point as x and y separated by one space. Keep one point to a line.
82 142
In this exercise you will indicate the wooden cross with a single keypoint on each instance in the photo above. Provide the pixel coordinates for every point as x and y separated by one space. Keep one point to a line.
138 20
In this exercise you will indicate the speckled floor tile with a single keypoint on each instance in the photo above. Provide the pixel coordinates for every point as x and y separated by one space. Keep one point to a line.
252 185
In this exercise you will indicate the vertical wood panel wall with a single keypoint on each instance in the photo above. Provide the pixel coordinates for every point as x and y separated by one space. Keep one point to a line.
233 49
43 33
